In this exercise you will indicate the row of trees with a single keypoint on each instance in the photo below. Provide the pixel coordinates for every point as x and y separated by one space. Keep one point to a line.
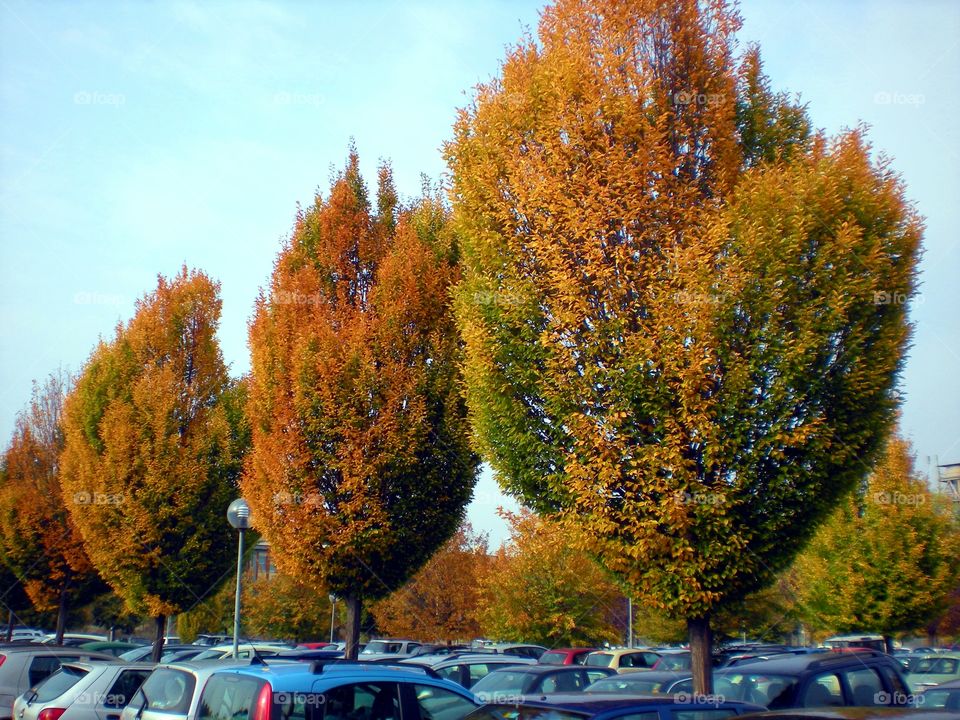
653 310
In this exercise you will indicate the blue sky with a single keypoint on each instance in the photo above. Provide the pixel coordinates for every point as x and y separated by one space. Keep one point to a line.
135 137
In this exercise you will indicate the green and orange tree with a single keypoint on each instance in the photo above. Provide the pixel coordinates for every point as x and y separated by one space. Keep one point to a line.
684 314
154 445
361 466
39 542
888 557
540 587
282 607
441 601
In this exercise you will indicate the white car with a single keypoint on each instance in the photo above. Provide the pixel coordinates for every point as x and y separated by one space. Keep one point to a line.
245 651
83 691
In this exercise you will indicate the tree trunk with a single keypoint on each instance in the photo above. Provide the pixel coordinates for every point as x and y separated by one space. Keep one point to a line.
9 633
160 622
61 615
888 644
353 627
701 661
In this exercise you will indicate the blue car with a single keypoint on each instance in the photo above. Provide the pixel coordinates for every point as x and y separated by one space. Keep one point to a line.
331 691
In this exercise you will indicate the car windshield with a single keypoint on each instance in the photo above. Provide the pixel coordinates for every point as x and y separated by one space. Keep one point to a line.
523 712
626 685
58 683
680 661
774 691
553 658
599 659
501 682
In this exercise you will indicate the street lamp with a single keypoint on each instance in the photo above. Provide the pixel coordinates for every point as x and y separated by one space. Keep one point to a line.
239 516
333 615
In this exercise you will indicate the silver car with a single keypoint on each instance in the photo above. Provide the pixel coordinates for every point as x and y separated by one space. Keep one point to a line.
173 689
82 691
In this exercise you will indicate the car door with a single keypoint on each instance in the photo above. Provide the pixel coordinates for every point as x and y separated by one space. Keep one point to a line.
120 689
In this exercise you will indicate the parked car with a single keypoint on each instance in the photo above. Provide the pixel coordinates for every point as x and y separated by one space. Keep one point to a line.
518 649
565 656
945 697
650 682
172 690
24 665
502 685
396 649
245 651
212 640
855 713
933 670
113 648
83 691
625 659
863 642
865 679
143 652
347 691
25 633
72 639
579 706
673 660
468 668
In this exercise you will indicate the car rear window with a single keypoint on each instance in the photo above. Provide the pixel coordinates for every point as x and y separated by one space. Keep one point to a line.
168 691
58 683
599 659
228 696
553 658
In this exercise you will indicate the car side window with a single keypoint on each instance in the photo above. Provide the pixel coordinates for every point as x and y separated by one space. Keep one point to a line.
43 666
562 682
477 671
124 687
362 701
594 675
866 687
437 703
823 691
451 673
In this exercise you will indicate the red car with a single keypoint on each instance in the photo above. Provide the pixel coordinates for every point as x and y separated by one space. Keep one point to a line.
565 656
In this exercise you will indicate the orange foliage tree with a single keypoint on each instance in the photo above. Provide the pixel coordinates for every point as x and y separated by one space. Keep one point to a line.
154 443
540 587
440 601
39 542
360 467
684 314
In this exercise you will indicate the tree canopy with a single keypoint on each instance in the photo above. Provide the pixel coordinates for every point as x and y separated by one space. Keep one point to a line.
684 314
154 451
361 466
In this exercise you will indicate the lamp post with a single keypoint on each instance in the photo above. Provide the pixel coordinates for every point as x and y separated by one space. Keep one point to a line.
238 514
333 615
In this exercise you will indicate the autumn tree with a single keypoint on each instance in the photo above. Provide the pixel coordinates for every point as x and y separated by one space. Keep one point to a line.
153 452
888 557
539 587
441 601
284 608
684 314
39 542
361 466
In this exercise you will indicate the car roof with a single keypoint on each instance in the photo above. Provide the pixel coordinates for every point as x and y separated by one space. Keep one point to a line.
538 669
599 702
618 652
121 665
800 663
467 657
292 676
57 650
